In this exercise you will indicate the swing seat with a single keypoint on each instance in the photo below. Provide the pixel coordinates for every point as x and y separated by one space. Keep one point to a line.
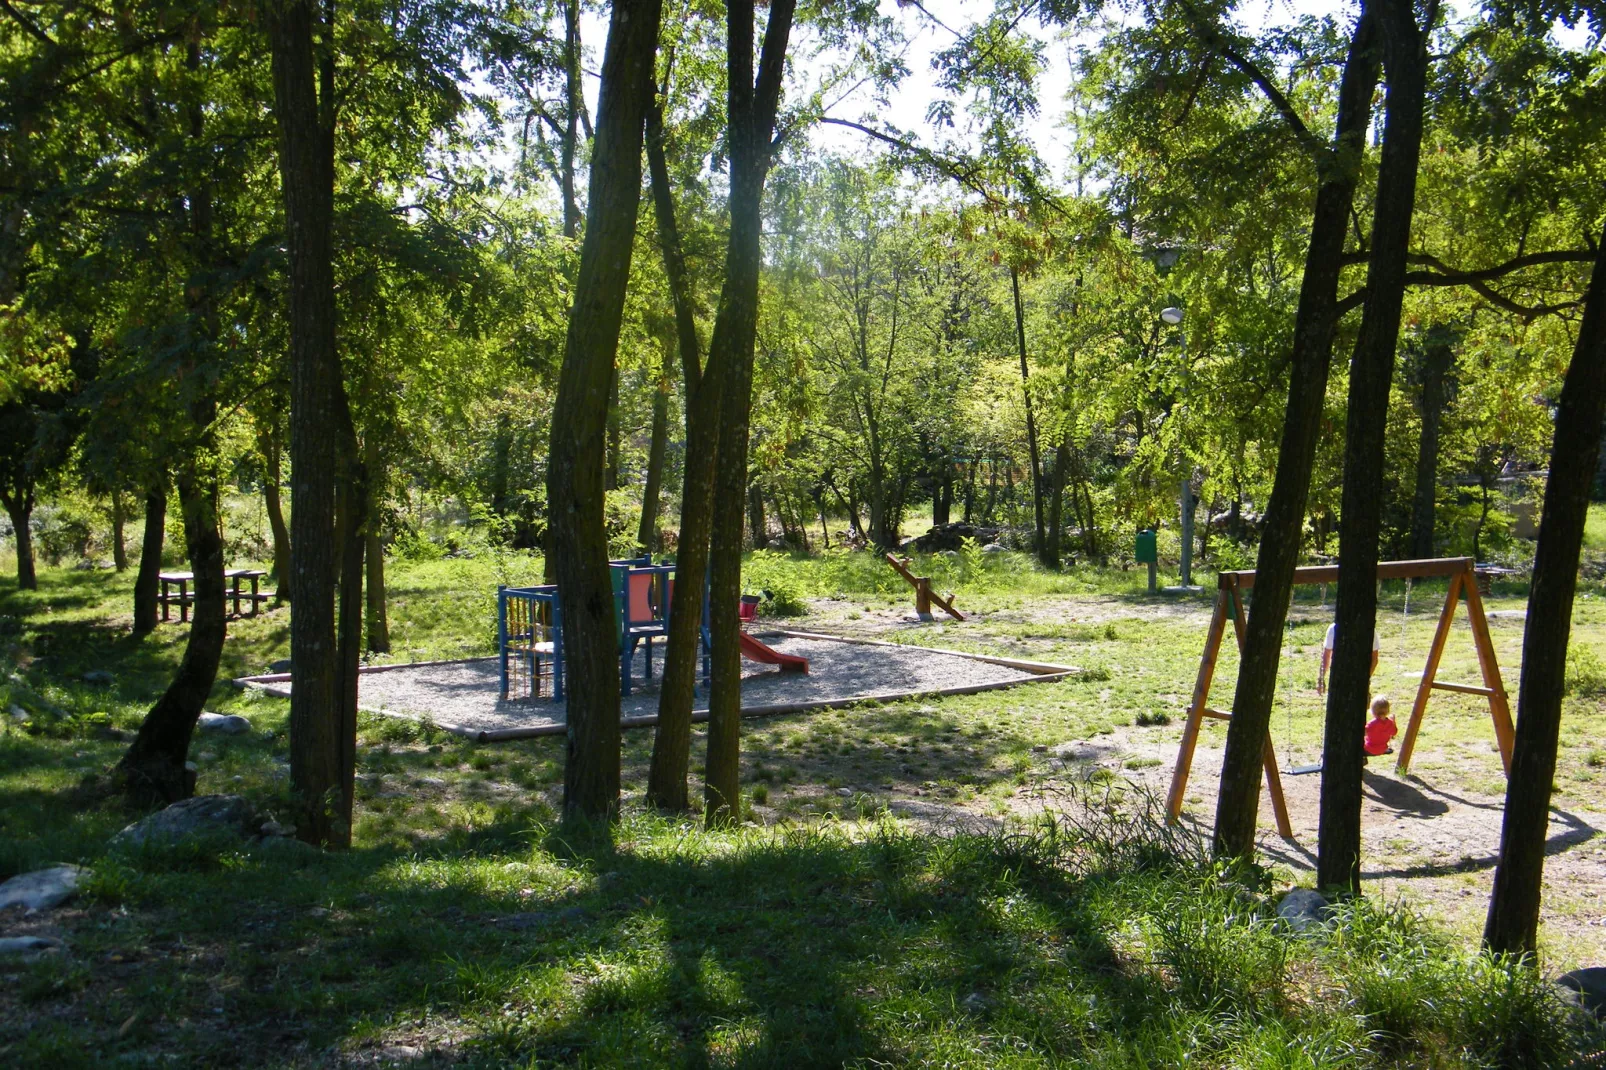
1305 770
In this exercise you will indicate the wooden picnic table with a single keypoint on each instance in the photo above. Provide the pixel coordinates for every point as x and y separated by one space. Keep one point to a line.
234 576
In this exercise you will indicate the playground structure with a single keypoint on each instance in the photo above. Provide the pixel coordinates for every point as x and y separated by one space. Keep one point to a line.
530 630
925 598
1461 572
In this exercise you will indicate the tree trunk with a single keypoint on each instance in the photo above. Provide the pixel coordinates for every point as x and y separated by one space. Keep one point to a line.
147 580
647 534
1238 805
757 523
152 772
1056 526
942 501
573 102
320 717
268 442
611 474
119 522
671 748
1338 862
1031 422
575 483
378 620
351 537
1513 923
1436 359
20 510
751 109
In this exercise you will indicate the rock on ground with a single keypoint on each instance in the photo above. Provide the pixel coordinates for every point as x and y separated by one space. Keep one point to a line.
1302 909
201 816
1590 985
42 889
27 945
229 724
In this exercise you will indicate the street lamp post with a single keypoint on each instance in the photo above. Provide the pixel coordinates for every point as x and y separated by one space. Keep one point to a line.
1172 317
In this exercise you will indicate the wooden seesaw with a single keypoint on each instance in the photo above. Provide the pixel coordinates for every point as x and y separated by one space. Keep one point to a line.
924 596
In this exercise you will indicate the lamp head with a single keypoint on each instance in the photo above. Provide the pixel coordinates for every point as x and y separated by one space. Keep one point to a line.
1171 316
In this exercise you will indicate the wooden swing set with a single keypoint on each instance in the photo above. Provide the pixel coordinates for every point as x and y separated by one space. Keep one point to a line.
1229 600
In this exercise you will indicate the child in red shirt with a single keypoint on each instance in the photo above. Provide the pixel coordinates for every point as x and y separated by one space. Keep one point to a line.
1381 728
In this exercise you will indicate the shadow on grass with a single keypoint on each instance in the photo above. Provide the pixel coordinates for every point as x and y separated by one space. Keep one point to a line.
757 953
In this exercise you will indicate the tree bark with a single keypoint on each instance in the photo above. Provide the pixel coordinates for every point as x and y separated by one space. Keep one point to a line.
1513 922
1056 514
119 522
1437 356
647 534
573 102
1338 861
153 771
757 523
751 108
671 748
1238 804
611 475
1031 422
378 619
20 510
351 537
575 474
147 580
320 713
268 442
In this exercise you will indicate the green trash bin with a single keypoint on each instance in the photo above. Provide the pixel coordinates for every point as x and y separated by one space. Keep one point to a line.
1147 549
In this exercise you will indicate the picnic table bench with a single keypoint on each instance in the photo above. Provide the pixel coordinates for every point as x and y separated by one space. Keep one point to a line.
185 595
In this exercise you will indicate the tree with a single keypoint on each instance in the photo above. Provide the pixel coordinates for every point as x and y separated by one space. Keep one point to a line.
1338 169
323 714
1513 921
575 474
1404 47
751 105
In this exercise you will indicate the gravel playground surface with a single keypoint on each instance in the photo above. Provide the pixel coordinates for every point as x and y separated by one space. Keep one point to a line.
464 693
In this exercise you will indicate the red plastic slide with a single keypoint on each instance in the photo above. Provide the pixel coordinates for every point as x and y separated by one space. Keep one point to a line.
753 650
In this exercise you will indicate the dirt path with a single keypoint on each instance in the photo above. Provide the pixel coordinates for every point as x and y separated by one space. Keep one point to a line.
1430 839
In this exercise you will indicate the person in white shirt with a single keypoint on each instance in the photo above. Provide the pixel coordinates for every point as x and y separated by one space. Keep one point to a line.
1327 656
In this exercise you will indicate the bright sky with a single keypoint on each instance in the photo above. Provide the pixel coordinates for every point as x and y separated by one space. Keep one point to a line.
931 29
906 108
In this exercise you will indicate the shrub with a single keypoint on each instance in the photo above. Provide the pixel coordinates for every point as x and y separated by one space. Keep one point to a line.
1586 673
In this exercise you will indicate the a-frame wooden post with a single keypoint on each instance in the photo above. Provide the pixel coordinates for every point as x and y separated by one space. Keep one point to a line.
1228 598
1462 584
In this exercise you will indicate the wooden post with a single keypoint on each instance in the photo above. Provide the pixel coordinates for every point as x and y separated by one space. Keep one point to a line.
1228 595
1429 671
1201 696
1489 666
1274 779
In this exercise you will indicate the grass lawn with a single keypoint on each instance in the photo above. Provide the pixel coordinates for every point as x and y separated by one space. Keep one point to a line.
919 884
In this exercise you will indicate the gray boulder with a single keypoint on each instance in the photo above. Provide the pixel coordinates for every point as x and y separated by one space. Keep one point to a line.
202 816
282 665
27 945
99 676
994 548
228 724
1589 988
42 889
1303 909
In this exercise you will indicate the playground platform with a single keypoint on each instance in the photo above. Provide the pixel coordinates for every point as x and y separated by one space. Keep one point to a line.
462 696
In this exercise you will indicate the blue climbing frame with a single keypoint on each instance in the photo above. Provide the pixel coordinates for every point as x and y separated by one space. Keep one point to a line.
529 630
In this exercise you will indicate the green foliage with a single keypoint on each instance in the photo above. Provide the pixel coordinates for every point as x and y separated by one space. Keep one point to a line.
1586 672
